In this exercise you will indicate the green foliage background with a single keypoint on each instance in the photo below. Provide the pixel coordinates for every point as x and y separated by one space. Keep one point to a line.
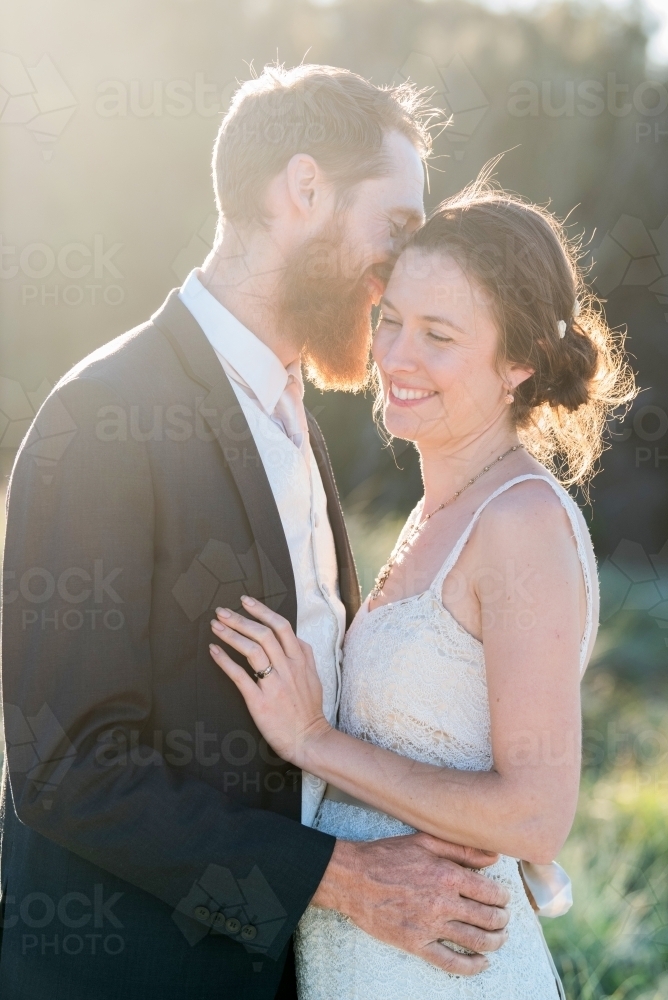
140 178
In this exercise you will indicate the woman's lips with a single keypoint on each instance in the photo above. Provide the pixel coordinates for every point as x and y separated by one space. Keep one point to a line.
408 396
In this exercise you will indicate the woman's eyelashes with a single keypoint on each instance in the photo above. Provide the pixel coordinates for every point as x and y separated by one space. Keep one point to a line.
441 338
389 321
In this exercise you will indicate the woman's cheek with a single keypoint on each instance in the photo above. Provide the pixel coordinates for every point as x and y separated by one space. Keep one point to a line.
441 370
380 346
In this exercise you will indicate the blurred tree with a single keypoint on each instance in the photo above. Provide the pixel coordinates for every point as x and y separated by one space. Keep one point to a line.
563 90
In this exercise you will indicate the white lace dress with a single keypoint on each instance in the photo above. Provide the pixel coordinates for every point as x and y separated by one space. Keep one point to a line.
414 682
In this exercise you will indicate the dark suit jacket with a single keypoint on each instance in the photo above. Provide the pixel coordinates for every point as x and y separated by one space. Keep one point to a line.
152 844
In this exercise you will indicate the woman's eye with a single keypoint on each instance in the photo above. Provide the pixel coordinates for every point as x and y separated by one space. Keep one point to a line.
439 337
387 321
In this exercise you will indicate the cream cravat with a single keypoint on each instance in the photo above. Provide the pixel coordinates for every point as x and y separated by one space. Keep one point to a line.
290 410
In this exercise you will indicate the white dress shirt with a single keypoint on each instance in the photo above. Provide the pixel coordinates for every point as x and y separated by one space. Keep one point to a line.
259 381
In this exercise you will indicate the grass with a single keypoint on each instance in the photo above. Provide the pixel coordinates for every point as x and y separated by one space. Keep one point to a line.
613 944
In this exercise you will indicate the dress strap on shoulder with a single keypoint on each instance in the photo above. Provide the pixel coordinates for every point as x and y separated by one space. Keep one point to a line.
569 505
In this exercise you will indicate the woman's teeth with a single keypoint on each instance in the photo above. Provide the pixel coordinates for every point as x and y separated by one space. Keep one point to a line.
409 393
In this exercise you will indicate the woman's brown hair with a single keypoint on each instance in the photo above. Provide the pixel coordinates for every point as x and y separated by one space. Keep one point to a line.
548 320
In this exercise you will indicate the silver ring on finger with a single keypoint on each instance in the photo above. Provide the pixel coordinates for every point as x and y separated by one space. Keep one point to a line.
259 674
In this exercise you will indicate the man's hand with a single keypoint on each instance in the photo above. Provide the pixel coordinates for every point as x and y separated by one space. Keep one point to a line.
414 891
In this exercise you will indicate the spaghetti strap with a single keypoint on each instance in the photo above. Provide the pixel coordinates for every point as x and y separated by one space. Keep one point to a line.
569 505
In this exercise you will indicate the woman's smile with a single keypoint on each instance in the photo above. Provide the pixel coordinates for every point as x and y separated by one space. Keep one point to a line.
406 395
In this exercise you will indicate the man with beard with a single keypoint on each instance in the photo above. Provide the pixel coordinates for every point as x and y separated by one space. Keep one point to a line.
154 845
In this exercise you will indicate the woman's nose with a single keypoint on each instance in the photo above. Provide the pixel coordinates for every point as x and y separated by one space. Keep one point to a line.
400 357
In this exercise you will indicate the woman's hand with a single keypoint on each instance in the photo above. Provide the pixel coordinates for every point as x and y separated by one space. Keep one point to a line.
286 704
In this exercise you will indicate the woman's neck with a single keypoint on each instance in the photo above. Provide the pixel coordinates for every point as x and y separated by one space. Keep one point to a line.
449 467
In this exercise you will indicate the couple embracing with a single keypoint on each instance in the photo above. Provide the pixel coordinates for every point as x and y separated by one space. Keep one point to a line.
262 785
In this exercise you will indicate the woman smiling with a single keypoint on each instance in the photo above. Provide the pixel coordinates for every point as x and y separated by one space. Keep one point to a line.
460 709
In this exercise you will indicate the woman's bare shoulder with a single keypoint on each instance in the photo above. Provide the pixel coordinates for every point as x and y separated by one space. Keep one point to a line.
532 511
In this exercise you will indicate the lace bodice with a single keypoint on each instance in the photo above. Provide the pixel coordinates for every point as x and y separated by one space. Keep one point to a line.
426 695
414 681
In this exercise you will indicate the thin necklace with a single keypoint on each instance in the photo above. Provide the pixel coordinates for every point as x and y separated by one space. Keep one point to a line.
415 529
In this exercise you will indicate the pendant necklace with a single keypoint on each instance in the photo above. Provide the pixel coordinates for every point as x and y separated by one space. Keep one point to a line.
416 529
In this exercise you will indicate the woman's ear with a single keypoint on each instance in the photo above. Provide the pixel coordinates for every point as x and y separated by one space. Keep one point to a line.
515 375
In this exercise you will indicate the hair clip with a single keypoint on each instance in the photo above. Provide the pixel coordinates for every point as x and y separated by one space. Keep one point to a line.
561 327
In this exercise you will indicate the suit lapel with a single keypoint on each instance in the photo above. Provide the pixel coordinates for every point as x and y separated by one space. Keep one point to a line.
348 581
219 409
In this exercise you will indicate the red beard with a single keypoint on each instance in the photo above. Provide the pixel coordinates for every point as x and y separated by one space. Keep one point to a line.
328 312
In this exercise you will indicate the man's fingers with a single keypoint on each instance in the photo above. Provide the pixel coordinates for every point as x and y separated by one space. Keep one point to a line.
473 938
451 961
488 918
468 857
481 889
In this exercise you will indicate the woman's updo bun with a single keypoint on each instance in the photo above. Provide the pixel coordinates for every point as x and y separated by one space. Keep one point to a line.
549 322
565 375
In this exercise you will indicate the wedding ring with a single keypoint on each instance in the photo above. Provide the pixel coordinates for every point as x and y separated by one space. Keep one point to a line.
259 674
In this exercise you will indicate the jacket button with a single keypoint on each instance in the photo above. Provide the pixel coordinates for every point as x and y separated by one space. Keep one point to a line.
248 932
202 913
232 925
218 921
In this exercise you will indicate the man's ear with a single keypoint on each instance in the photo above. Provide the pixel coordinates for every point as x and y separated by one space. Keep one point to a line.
304 180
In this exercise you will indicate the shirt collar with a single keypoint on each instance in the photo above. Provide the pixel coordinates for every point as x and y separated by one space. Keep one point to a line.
255 363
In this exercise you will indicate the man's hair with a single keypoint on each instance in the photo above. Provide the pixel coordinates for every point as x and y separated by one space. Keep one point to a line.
337 117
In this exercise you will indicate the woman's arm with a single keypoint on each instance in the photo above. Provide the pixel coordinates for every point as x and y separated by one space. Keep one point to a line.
531 625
